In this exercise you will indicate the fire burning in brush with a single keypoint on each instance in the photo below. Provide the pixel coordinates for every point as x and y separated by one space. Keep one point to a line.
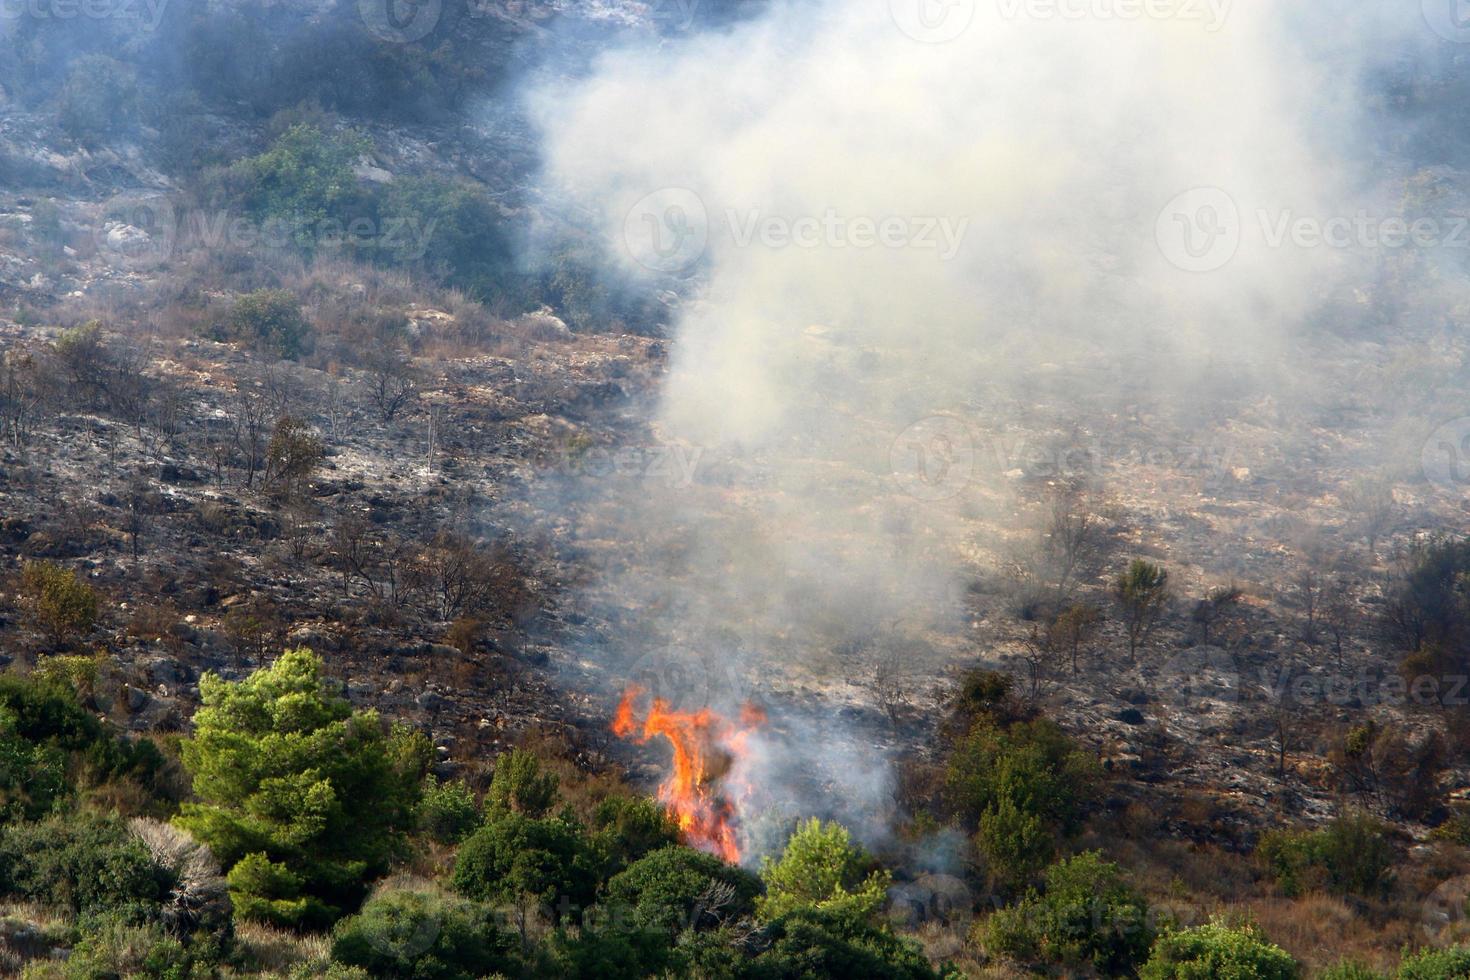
707 748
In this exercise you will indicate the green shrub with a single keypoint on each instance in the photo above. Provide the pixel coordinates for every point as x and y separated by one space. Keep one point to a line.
519 785
304 179
628 827
1088 915
812 943
267 319
1351 855
447 811
544 863
1436 964
302 798
116 948
82 865
46 734
1218 952
58 602
99 97
670 891
1021 786
822 868
406 935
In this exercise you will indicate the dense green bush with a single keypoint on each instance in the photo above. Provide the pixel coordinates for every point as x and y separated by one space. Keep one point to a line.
267 319
99 97
520 785
1351 855
447 811
410 935
1021 786
812 943
822 868
305 179
302 798
1087 916
543 864
628 827
671 890
81 865
1436 964
1218 952
57 600
45 734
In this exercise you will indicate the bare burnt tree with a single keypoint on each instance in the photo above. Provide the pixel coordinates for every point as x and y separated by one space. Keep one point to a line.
1307 599
165 419
392 382
298 528
1042 654
889 679
457 577
138 507
1211 611
20 396
291 457
381 563
1370 501
1072 537
104 374
1074 628
1339 616
249 434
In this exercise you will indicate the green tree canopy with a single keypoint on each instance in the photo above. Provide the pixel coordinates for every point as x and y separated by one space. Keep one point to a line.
1218 952
302 798
822 868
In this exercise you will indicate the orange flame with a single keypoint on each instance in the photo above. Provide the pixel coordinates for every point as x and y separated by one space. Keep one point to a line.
706 747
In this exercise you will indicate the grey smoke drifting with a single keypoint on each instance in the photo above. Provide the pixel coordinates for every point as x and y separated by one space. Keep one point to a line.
877 218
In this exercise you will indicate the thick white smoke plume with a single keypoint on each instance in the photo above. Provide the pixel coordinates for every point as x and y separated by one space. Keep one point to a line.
891 211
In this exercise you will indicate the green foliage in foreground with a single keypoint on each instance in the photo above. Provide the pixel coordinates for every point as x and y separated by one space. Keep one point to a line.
1087 916
1024 785
304 800
424 936
1351 855
1436 964
822 868
1218 952
51 747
